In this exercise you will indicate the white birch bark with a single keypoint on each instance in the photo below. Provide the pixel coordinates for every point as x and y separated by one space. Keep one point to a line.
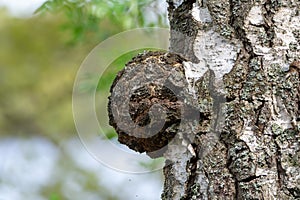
243 69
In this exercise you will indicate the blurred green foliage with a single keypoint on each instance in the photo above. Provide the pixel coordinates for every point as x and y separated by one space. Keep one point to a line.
98 19
37 73
86 16
54 197
38 66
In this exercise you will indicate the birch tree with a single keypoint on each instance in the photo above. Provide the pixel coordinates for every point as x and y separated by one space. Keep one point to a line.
236 65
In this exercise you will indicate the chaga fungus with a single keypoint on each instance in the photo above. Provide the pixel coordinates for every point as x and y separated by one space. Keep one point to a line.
146 104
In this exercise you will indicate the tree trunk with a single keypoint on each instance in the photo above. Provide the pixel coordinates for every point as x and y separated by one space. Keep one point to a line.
230 101
244 61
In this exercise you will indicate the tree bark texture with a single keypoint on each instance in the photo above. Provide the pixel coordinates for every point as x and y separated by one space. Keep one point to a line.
230 98
243 67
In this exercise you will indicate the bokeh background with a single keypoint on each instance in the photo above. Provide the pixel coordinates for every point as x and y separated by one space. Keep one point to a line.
42 45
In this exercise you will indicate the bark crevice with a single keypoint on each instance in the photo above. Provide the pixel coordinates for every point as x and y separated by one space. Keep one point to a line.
190 190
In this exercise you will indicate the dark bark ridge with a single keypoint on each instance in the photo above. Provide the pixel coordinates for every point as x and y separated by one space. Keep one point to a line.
184 29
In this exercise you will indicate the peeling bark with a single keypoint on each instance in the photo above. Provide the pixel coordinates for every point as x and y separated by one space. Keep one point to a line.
242 78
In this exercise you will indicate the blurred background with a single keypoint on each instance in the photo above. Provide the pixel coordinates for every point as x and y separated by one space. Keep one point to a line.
42 45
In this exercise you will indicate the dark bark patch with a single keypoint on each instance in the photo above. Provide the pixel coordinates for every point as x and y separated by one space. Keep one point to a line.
184 29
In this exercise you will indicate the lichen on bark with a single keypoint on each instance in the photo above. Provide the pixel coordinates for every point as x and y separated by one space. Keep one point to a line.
261 102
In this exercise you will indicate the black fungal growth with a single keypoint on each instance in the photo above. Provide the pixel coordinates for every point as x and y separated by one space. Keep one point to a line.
146 103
